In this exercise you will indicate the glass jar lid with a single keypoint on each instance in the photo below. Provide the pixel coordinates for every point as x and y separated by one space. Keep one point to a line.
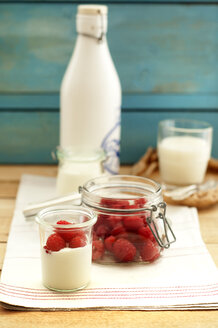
124 187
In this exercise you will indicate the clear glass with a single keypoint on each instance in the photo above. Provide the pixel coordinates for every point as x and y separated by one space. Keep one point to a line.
76 166
66 246
184 148
123 206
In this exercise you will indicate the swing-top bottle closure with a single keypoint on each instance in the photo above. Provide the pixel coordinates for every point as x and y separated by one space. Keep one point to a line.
91 21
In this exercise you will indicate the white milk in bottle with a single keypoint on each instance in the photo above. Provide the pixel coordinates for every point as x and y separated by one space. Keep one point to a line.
90 97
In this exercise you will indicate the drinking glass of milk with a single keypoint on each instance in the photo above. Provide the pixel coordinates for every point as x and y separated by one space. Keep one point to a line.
184 148
76 166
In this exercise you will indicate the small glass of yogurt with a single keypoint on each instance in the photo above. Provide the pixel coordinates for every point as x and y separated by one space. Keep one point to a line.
184 148
66 246
76 166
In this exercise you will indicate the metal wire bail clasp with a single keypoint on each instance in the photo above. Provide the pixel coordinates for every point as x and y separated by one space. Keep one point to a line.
158 213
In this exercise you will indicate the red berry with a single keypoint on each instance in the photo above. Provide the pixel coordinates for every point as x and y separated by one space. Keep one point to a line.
133 223
118 229
121 204
135 239
94 236
77 241
102 231
97 250
55 242
101 220
115 203
149 252
108 243
113 220
146 232
68 234
63 222
124 250
65 233
140 202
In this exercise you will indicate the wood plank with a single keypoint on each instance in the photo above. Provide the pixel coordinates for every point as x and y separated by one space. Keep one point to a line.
208 219
124 1
213 249
2 253
130 102
28 137
157 49
7 207
13 173
36 135
5 223
8 189
95 319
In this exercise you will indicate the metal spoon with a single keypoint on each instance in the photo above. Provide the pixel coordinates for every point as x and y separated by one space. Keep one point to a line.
32 209
184 192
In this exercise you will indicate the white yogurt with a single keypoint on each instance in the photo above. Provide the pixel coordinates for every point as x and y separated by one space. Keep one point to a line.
67 269
72 175
183 159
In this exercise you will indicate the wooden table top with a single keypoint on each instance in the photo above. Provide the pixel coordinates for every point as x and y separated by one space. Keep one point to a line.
9 181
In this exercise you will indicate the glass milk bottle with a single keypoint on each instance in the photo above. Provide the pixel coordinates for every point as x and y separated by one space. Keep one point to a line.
90 96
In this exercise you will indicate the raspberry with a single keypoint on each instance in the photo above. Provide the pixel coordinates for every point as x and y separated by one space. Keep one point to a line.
124 235
115 203
118 229
102 231
101 220
149 252
108 243
94 236
140 202
113 220
62 222
77 241
66 234
97 250
55 242
146 232
123 250
133 223
135 239
121 204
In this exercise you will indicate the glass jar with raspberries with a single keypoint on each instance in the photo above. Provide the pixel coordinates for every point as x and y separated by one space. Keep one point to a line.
131 223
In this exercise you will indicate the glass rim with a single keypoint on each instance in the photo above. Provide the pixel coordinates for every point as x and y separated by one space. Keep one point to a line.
78 155
203 125
80 210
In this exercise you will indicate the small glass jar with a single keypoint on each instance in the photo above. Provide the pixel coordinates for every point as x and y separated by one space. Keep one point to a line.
131 223
66 246
76 166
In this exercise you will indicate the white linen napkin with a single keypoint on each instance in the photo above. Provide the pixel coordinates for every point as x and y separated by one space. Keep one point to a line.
184 278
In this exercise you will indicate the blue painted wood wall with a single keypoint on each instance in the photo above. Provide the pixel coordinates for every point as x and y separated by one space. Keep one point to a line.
165 52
